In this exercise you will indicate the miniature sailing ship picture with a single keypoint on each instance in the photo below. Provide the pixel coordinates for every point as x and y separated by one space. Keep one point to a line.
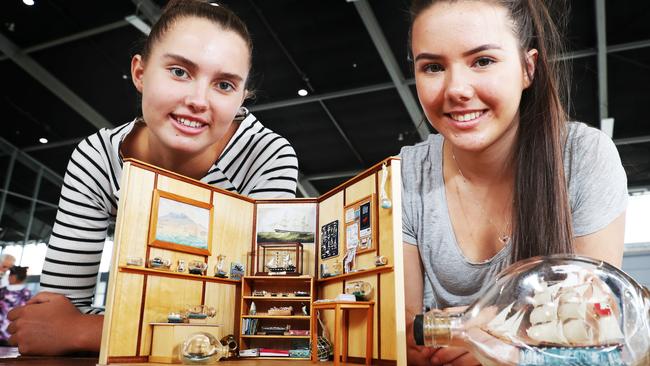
286 223
579 311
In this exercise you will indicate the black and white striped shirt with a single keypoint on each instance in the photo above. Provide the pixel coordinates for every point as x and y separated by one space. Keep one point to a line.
256 162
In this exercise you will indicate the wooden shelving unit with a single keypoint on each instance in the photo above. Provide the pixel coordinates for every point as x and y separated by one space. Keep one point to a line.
278 285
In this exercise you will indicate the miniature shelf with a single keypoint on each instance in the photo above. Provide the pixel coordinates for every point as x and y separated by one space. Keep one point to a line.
275 336
361 273
277 316
278 298
275 358
185 276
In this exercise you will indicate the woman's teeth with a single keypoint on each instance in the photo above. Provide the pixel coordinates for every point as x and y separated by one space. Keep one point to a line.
188 123
465 117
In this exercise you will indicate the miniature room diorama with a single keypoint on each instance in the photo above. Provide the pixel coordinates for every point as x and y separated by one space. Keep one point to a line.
200 274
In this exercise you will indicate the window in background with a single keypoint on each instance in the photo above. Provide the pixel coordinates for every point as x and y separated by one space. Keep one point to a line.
637 219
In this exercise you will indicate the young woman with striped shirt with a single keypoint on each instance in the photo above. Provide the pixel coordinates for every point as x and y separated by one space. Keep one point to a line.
192 74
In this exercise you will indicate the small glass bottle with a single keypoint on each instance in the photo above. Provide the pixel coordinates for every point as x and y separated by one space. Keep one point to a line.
553 310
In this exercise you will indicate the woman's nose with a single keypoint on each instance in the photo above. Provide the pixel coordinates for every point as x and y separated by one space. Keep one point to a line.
459 87
197 98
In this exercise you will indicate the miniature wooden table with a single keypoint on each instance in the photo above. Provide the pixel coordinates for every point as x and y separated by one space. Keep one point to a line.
339 307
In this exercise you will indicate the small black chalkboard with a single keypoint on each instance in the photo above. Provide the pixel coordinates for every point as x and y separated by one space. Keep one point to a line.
329 240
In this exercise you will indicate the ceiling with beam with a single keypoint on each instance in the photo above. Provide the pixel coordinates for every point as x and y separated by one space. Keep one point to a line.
67 63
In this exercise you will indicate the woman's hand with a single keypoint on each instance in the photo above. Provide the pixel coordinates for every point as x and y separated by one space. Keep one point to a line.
49 324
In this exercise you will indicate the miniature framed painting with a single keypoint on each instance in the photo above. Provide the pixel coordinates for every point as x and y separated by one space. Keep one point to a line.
180 223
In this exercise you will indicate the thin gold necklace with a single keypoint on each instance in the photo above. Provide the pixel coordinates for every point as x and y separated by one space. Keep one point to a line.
504 235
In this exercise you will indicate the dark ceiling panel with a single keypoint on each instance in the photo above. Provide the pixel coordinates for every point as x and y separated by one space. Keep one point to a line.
394 19
325 185
319 146
584 91
99 72
629 92
627 21
49 20
581 27
328 42
31 111
376 123
636 160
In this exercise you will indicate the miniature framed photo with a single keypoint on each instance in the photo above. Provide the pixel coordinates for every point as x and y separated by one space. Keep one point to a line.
360 231
180 223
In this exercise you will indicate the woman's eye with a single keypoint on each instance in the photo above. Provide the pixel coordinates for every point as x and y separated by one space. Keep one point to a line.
483 62
178 72
226 86
430 68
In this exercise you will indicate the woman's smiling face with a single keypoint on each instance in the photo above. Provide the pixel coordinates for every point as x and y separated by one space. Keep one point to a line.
192 84
469 73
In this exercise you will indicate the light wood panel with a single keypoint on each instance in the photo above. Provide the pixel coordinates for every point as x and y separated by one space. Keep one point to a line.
232 232
329 210
387 316
124 331
164 295
224 299
398 274
137 185
184 189
360 189
136 196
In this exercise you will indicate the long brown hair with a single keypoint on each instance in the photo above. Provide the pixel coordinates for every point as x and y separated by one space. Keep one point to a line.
541 215
210 10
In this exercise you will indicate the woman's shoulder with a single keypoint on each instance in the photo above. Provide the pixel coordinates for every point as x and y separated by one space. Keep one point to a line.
585 143
422 150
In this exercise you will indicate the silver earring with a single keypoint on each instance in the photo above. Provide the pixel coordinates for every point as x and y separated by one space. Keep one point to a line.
242 112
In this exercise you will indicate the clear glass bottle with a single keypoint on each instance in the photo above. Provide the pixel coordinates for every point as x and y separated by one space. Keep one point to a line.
553 310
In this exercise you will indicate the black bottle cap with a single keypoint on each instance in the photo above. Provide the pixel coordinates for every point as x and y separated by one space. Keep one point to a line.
418 329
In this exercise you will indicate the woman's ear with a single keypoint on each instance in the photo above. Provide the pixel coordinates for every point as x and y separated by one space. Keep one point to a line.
530 62
137 72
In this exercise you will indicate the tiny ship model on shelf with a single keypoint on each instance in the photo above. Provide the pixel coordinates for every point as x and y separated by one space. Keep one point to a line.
277 266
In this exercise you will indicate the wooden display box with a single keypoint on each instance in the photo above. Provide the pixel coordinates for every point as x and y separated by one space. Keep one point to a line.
279 259
168 338
138 297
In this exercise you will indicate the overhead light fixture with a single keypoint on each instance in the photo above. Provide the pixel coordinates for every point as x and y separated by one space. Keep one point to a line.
42 140
140 24
28 2
302 92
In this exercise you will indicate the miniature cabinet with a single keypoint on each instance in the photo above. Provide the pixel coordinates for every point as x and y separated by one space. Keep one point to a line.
269 326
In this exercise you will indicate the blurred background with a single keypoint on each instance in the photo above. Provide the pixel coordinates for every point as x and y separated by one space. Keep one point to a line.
331 76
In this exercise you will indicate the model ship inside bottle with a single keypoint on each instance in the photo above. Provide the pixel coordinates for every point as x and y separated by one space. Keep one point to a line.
555 310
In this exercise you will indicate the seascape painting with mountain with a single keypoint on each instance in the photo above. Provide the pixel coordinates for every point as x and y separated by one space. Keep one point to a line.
182 223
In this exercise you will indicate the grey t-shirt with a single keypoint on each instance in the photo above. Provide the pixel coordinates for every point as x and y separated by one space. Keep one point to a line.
597 193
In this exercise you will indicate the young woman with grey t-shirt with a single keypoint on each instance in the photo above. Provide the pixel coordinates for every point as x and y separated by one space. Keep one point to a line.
507 177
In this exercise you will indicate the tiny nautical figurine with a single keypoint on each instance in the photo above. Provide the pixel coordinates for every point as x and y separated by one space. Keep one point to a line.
180 267
253 309
197 267
218 269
